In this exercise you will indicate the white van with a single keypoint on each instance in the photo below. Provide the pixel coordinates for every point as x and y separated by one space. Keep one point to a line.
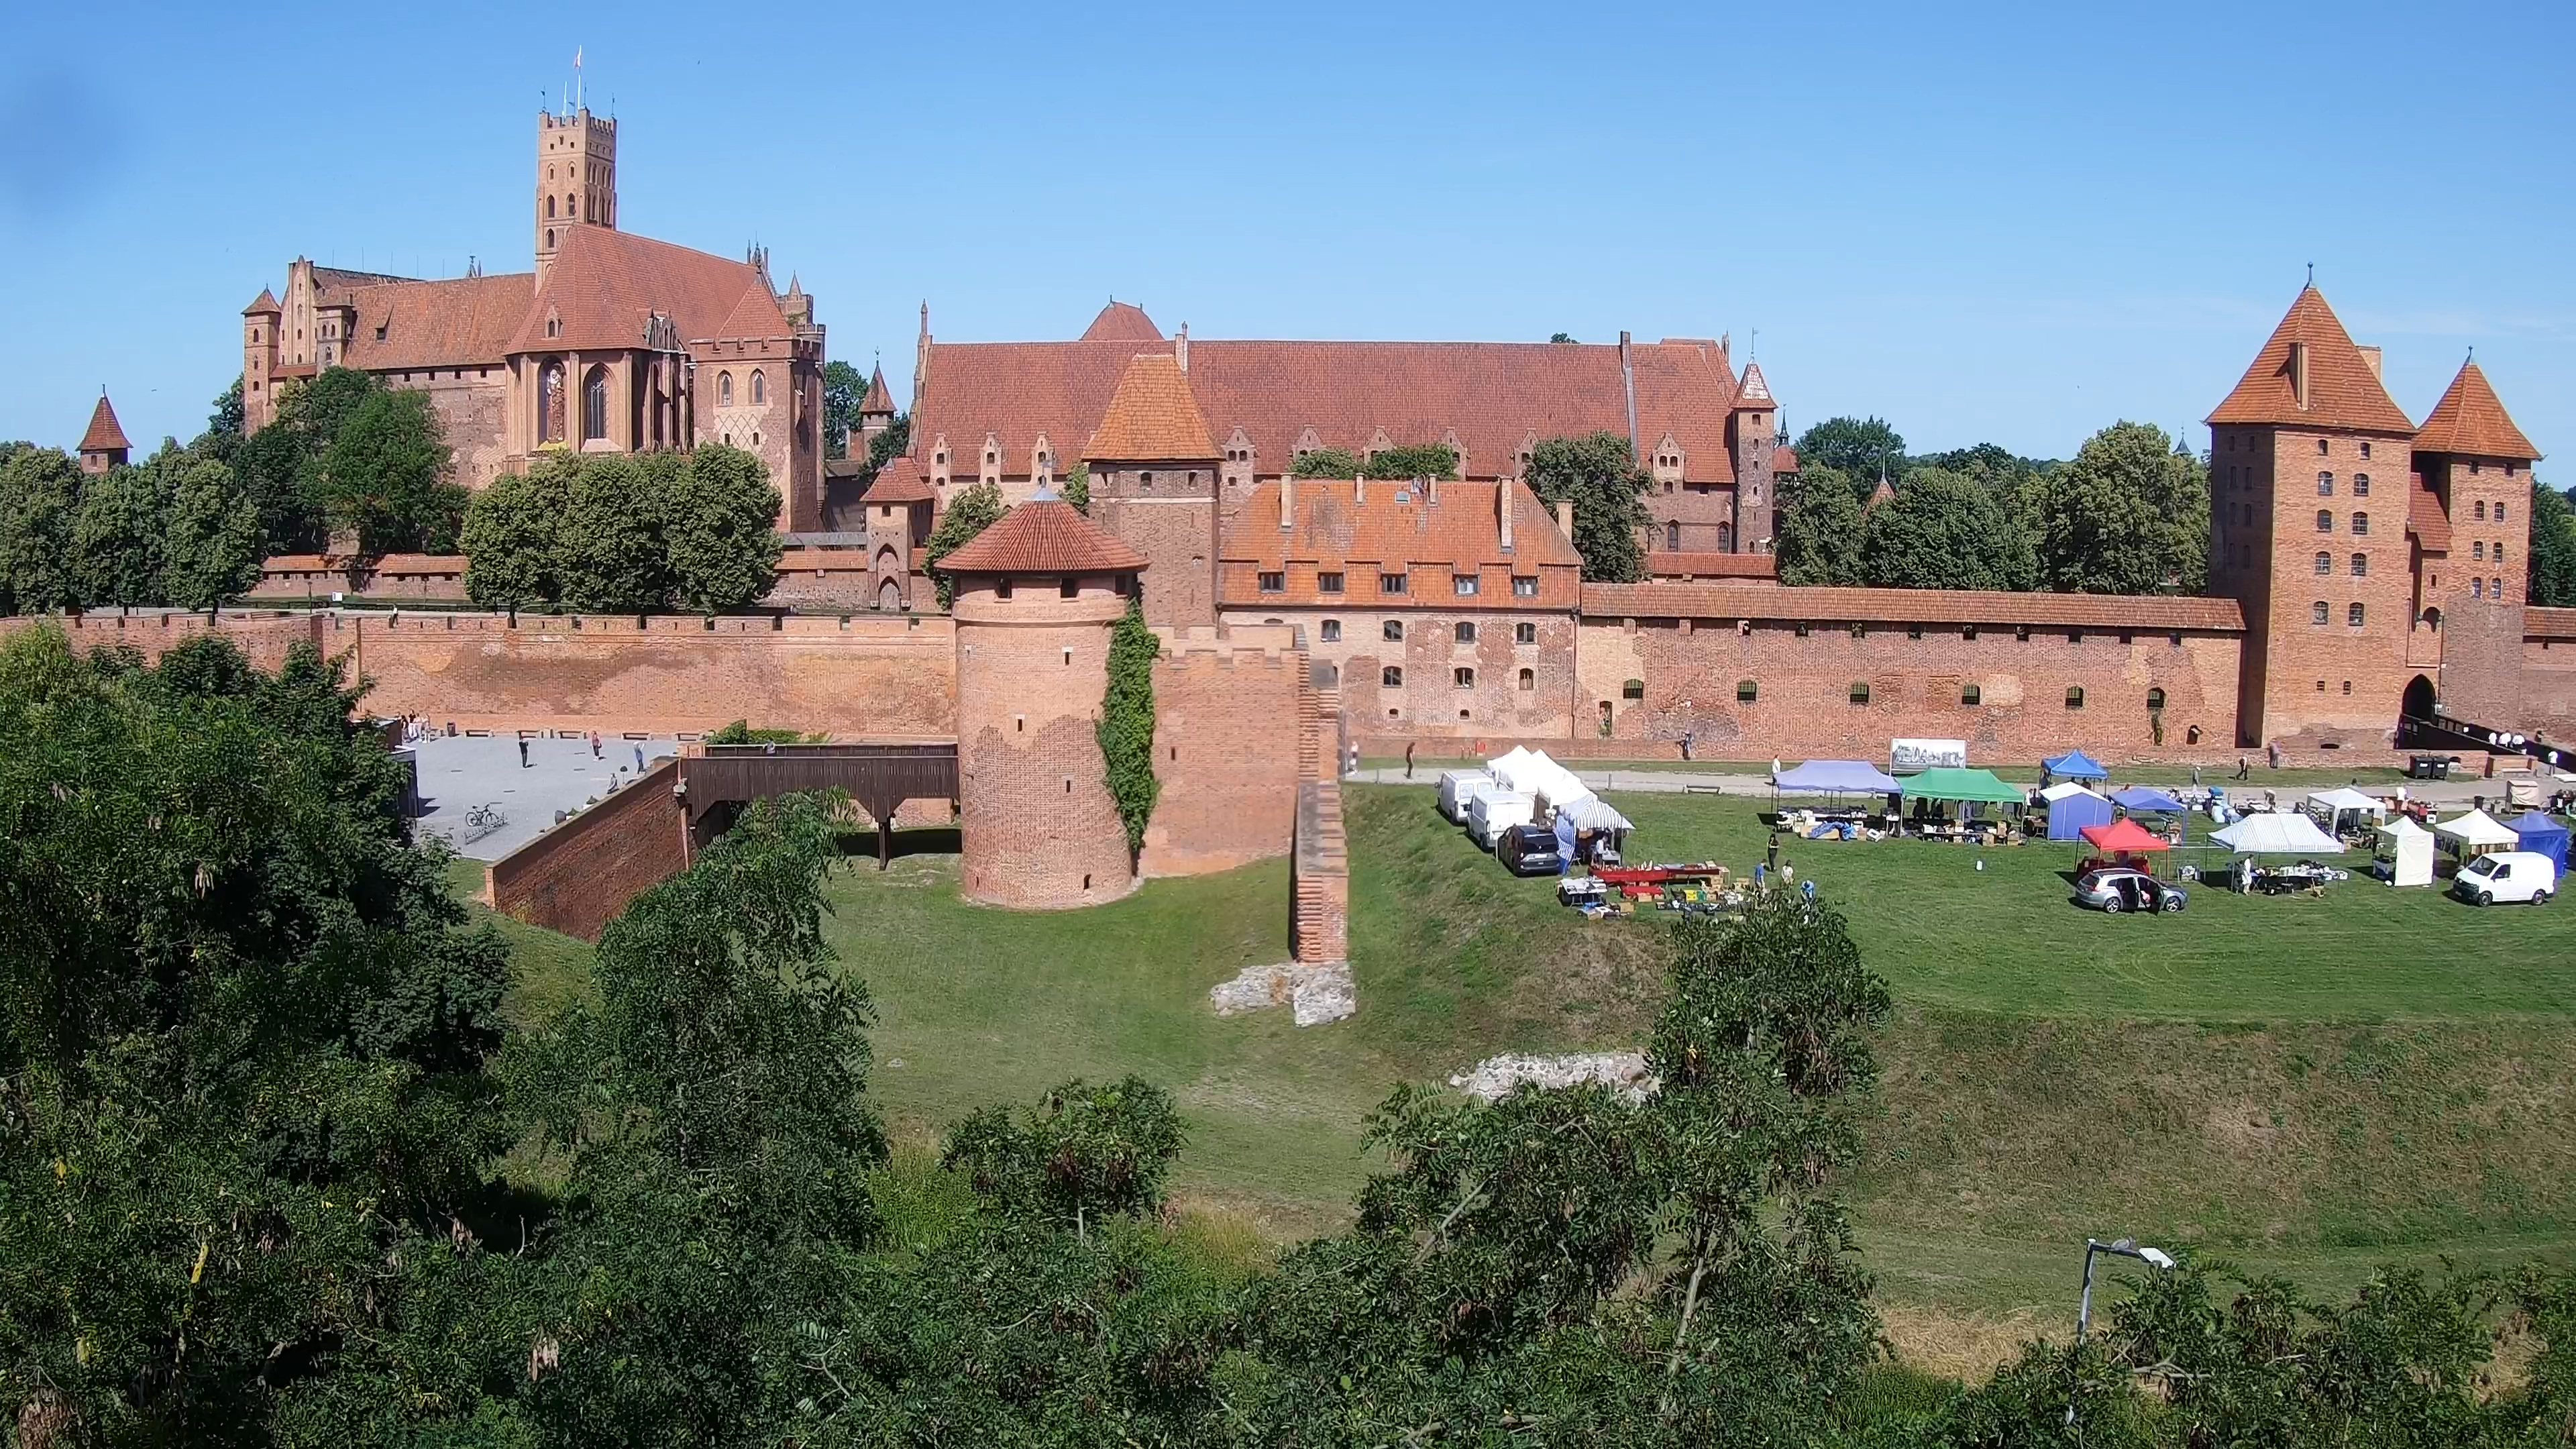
2507 875
1494 812
1458 790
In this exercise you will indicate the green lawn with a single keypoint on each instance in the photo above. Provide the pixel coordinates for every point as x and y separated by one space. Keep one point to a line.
2312 1086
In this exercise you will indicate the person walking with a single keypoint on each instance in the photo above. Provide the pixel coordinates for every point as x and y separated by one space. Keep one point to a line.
2244 770
1771 857
2195 777
1408 759
594 746
523 754
2272 755
639 758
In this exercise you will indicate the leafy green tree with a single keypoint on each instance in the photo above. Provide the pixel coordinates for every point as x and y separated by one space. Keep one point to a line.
1414 460
1863 450
513 536
282 466
1077 489
211 549
893 443
243 1026
384 474
1325 463
609 552
2130 515
1081 1155
1820 528
1126 728
117 537
970 511
1600 476
720 531
844 388
228 415
1560 337
2551 553
1944 531
39 511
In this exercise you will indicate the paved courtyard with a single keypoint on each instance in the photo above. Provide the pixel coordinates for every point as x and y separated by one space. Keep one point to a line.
458 774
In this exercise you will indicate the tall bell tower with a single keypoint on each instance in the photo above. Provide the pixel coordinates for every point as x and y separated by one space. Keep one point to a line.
576 178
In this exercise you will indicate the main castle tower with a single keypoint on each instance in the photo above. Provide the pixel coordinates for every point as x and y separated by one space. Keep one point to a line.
1036 596
576 178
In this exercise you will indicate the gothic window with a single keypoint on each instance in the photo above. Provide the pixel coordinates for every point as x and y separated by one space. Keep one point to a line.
1726 538
2325 563
2433 619
594 404
2325 521
724 389
1672 535
2317 612
550 404
759 388
1529 679
550 208
2361 566
2353 616
2360 524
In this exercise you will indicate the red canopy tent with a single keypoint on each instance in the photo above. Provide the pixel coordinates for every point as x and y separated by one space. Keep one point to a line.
2121 842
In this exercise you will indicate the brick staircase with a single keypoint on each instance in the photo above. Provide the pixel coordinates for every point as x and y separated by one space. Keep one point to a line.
1319 868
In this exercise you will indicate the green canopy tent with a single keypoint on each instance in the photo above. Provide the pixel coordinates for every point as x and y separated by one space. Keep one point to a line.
1968 787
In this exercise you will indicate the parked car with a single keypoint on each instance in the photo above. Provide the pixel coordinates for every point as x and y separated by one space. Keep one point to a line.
1528 850
2119 889
2507 875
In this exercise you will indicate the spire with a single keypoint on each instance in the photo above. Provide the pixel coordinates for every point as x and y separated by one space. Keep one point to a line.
878 399
1754 393
2470 419
2310 374
104 436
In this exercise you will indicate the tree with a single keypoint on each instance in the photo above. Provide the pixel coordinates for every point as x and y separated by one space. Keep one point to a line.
970 511
1126 727
512 536
117 536
1325 463
1077 489
281 466
1082 1154
886 446
719 528
1820 528
1600 476
2551 553
2130 515
609 554
1560 337
1944 531
211 551
1414 460
39 509
843 390
1861 449
384 475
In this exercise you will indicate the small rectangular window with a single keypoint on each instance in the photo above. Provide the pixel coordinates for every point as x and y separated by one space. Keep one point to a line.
1274 583
1464 584
1069 588
1332 631
1466 632
1463 677
1524 633
1525 586
1328 583
1391 677
1390 583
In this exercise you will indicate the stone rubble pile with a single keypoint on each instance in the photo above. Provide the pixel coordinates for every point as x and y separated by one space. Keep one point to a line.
1497 1076
1314 994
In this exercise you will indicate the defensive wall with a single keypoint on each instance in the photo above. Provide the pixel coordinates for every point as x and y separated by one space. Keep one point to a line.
1229 709
810 576
578 876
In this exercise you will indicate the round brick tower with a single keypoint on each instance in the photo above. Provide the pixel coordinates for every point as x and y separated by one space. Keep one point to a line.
1036 596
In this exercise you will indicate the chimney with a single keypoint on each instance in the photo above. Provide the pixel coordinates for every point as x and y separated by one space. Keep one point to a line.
1430 488
1287 500
1181 347
2371 356
1503 508
2299 374
1359 492
1565 518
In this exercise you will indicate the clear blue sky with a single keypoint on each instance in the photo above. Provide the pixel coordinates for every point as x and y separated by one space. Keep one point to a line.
2004 223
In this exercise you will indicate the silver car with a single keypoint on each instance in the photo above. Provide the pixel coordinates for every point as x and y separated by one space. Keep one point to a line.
2120 889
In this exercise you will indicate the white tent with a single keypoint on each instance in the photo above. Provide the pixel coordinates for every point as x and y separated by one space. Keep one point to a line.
1512 770
2055 793
2343 799
2279 832
2408 849
1532 773
1593 813
2475 833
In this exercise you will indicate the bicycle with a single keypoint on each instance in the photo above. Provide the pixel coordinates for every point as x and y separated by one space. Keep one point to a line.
485 817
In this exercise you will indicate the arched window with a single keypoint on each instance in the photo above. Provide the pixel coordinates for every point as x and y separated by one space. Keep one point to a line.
2499 513
1632 689
2075 696
759 387
2480 510
2155 699
1529 679
2433 619
2495 588
550 208
2325 521
1393 632
1746 691
1860 691
594 404
550 404
1524 633
2325 562
2317 612
2361 485
2360 525
1391 677
1672 535
2477 590
724 389
2352 615
1726 538
2361 566
1970 694
2478 549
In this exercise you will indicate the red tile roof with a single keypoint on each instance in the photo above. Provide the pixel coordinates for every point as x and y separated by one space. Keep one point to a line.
1152 416
2424 516
454 323
1122 322
2471 419
103 433
604 286
1784 459
2540 622
265 304
897 482
1693 564
1044 535
877 400
1753 394
1486 397
2343 392
1910 606
1337 521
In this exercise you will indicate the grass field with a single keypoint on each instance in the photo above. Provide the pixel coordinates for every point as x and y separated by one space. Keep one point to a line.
1427 770
2308 1085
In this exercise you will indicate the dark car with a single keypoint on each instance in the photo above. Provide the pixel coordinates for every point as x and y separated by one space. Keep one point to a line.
2119 889
1529 850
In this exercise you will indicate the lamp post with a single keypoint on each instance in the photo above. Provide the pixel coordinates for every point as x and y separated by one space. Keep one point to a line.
2156 1258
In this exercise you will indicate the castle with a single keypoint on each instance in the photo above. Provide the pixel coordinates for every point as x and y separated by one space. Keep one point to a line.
614 342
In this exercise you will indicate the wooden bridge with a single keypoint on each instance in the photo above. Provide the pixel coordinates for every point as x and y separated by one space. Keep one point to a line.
878 777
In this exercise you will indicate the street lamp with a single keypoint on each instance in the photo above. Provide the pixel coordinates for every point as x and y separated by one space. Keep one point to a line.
2156 1258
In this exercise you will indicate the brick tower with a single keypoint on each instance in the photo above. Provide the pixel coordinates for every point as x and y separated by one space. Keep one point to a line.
2473 466
1751 435
104 445
2308 500
576 178
1036 596
1154 472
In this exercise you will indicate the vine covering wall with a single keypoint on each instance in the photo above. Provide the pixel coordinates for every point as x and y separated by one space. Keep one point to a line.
1127 723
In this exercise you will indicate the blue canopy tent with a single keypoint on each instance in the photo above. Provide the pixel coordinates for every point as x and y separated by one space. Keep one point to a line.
2075 765
2542 836
1834 777
2071 808
2141 799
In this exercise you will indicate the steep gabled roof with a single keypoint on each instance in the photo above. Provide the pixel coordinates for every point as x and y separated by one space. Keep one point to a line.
1044 536
605 285
878 399
2471 419
1753 394
1784 459
2343 392
453 323
263 305
1394 524
103 433
1122 322
1152 415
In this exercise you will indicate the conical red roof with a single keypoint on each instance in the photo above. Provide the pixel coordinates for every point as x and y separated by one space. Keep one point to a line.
878 399
1754 393
263 305
1044 536
2470 418
2342 390
1152 416
103 435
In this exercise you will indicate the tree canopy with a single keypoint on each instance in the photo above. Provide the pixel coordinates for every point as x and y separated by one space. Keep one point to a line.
2551 554
176 528
1944 530
1863 450
2130 515
1599 475
626 533
844 388
1819 529
971 510
388 481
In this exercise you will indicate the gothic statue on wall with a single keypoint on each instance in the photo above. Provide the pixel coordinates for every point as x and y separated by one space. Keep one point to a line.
550 404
